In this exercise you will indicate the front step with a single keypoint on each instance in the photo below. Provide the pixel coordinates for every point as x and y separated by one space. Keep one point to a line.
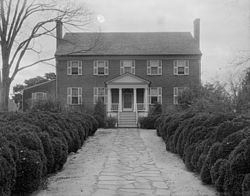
127 119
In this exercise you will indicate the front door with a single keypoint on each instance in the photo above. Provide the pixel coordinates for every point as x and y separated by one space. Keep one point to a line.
127 99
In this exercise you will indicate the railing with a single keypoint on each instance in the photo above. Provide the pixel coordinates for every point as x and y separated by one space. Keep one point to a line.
114 107
141 106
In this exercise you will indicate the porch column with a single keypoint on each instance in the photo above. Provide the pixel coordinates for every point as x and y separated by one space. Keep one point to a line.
120 100
135 100
146 99
109 100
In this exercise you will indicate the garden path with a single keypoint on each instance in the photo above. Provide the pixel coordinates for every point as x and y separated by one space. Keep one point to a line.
124 162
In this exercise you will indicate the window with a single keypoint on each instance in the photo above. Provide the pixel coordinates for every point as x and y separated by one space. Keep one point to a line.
127 66
101 67
155 95
38 96
74 68
181 67
100 94
154 67
74 96
177 93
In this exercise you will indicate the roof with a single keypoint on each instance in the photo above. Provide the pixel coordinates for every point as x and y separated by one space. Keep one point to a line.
39 84
127 78
138 43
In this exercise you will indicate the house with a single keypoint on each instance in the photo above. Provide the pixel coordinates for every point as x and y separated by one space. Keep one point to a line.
129 72
39 92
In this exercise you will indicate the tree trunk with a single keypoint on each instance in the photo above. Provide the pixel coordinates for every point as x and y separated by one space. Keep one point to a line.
5 86
4 100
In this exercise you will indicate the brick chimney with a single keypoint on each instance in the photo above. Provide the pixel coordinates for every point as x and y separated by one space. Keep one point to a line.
59 32
197 31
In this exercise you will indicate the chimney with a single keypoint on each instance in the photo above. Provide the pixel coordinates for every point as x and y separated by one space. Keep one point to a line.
197 31
59 29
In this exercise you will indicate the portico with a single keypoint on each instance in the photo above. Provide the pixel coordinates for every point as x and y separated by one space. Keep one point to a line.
127 93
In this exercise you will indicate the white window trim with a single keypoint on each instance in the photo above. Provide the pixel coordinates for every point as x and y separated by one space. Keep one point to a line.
96 94
159 94
69 96
70 65
176 94
122 67
178 65
150 66
96 66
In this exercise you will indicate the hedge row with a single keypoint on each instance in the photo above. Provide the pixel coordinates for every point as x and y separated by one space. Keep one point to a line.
35 144
216 146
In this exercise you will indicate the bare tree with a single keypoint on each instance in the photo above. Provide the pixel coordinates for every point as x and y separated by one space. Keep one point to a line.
22 23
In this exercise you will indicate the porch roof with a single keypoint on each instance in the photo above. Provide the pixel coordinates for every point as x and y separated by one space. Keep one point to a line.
127 79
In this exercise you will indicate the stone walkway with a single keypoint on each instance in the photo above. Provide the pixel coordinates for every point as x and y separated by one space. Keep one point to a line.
124 162
130 169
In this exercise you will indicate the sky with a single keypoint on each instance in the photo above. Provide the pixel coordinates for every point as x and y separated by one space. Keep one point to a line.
225 29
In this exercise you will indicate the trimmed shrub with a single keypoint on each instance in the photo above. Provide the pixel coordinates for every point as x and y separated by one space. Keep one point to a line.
7 168
111 122
100 113
35 143
210 160
29 171
246 185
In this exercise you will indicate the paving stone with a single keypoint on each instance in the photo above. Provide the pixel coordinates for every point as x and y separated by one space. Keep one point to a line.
160 185
163 192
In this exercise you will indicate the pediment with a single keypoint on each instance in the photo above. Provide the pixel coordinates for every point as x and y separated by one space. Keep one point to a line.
128 78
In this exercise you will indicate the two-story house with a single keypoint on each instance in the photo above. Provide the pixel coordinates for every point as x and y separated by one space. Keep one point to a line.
127 71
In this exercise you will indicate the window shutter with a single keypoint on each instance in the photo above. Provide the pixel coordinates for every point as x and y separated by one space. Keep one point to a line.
149 95
175 68
160 68
148 68
69 70
33 96
95 94
69 95
80 95
106 68
121 68
105 95
95 68
79 67
160 95
175 91
187 67
133 67
175 97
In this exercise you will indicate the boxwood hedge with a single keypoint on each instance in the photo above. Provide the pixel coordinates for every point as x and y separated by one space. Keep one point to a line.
216 146
35 144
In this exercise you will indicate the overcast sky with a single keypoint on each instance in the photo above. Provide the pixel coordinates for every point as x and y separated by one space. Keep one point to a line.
225 28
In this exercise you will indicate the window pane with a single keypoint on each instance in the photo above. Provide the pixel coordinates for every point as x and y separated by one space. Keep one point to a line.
74 100
74 63
181 70
100 63
180 90
101 98
154 100
154 63
153 91
101 91
154 70
101 70
74 70
127 69
127 63
75 92
181 62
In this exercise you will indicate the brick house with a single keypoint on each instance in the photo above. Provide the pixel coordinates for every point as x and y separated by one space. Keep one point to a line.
127 71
